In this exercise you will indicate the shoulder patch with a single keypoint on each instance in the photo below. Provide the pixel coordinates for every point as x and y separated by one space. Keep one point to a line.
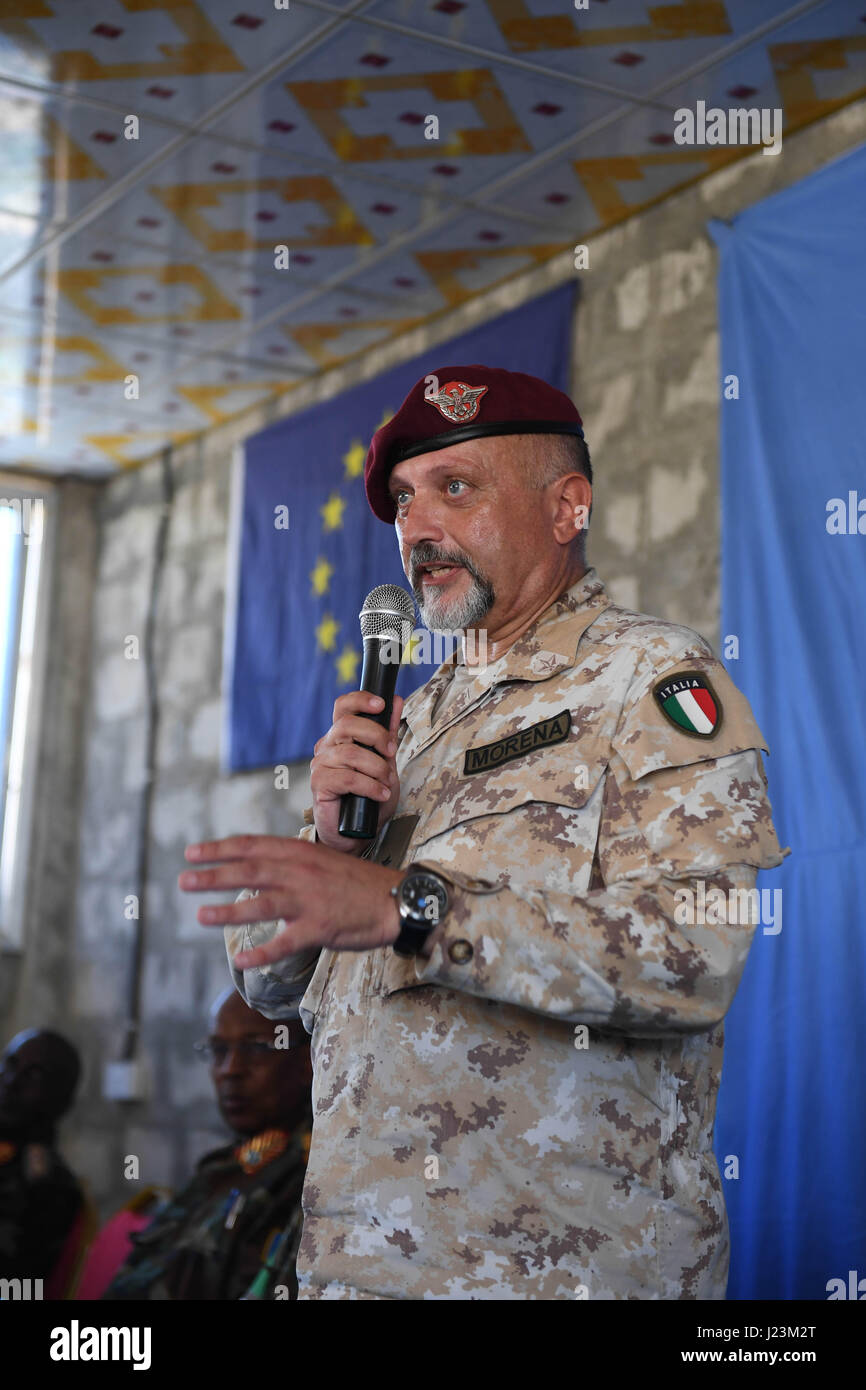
690 703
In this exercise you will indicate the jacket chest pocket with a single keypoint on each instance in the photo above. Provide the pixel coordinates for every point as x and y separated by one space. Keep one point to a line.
532 824
531 819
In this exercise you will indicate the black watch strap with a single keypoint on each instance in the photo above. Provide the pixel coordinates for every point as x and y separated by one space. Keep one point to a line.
415 925
411 939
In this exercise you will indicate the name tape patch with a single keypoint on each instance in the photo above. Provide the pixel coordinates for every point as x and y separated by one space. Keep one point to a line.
689 702
505 750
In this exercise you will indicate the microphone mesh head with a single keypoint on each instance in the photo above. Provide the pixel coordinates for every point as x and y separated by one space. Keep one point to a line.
388 612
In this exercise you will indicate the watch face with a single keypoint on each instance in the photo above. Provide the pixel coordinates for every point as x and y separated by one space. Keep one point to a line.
424 897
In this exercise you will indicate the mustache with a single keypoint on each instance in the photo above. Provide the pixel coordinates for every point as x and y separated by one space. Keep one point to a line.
429 555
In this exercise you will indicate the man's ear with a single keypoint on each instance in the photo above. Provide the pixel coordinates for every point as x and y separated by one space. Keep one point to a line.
573 503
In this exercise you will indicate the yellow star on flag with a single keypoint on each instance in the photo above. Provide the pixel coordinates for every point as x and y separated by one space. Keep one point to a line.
326 633
332 512
353 459
386 416
320 576
347 663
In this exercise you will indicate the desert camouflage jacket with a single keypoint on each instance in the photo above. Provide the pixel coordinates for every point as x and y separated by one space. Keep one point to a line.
529 1113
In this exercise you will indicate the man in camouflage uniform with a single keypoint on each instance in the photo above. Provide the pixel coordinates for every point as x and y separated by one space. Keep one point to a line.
233 1231
524 1109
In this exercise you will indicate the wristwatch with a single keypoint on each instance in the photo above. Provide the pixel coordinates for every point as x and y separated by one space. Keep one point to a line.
422 899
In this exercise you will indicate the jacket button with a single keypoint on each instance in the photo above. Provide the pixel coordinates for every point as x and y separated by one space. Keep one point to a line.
460 952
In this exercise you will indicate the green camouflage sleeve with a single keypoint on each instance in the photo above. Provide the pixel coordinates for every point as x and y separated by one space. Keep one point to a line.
657 943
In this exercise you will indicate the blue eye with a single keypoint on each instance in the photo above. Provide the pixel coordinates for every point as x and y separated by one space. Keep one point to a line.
455 481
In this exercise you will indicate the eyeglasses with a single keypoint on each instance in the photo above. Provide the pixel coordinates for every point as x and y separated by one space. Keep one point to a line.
252 1050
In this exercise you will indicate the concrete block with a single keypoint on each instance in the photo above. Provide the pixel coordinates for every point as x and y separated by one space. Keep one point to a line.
108 838
621 520
170 980
683 276
198 515
612 412
191 662
723 180
99 988
700 384
624 589
240 805
178 817
134 752
100 912
172 741
128 542
118 686
213 509
675 499
633 298
176 585
119 609
205 730
209 585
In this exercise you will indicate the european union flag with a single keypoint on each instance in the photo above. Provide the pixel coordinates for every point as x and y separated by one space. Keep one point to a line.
311 549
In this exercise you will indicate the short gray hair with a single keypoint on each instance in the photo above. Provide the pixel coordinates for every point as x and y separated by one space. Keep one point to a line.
547 457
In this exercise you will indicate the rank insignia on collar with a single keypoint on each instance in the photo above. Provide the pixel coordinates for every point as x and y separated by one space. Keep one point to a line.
689 702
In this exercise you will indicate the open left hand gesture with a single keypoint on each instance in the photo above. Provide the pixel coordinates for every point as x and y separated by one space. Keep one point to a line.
325 898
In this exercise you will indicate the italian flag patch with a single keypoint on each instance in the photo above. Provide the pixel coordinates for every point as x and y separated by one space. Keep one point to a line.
690 703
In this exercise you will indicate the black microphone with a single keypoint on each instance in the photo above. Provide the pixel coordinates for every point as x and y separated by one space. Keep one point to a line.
386 625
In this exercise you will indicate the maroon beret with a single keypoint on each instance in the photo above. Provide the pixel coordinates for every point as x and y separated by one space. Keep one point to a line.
453 404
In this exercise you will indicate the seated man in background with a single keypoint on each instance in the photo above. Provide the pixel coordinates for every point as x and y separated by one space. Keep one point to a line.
233 1231
40 1199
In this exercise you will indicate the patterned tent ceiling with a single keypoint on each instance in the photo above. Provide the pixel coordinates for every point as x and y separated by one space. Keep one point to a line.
139 255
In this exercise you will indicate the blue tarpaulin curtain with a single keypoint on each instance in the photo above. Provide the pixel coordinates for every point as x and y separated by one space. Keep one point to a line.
311 549
792 1106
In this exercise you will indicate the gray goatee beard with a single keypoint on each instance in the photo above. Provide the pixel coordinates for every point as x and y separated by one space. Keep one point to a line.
441 614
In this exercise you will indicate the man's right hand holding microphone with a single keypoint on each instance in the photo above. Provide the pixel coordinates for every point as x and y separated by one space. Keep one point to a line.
341 765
